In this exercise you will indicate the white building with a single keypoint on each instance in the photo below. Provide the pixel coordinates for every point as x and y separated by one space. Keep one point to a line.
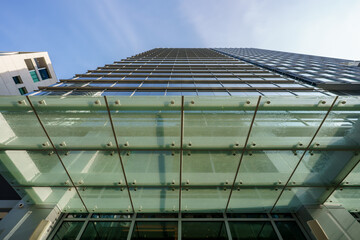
23 72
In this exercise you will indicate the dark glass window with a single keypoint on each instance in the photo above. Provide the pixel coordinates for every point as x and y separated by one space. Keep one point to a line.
252 230
23 91
17 79
68 231
155 230
106 230
203 230
290 230
44 73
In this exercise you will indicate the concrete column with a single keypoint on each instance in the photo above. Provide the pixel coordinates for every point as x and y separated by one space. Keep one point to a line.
28 222
329 222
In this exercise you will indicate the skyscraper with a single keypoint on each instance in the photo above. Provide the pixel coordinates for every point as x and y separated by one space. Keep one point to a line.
187 144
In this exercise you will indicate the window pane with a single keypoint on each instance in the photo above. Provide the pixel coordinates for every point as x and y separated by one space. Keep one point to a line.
68 231
203 230
290 230
252 230
155 230
106 230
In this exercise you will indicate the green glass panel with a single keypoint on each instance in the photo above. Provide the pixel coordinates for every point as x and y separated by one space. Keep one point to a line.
287 122
106 199
293 198
94 168
152 168
203 230
68 231
274 167
19 126
106 230
33 168
209 168
155 230
155 199
66 199
221 125
341 128
204 199
290 230
147 122
253 199
346 197
75 124
354 176
252 230
323 168
34 76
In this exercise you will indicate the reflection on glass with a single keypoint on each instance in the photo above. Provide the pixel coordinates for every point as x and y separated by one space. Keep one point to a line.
204 199
68 231
209 168
290 230
252 230
155 230
106 230
203 230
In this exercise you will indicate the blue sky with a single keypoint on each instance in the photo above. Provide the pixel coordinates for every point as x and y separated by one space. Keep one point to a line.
84 34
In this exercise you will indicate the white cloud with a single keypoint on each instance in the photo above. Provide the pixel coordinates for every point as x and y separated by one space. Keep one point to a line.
327 28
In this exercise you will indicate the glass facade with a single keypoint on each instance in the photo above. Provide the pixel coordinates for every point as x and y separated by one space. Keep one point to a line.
185 226
337 75
183 144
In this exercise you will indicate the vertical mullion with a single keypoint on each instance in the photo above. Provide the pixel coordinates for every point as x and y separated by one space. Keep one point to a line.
82 229
57 226
179 226
181 150
307 149
227 227
132 225
243 151
119 154
275 227
56 152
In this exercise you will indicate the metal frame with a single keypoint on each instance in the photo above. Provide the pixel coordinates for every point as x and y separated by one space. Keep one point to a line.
179 219
302 156
119 153
56 152
242 152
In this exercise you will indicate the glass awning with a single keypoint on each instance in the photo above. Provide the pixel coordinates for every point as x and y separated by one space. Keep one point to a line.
188 154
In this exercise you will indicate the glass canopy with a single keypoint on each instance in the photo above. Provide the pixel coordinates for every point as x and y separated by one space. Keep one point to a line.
181 154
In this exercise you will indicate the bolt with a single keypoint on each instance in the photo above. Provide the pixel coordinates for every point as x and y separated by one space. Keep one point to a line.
343 102
189 144
268 102
192 102
117 102
97 102
173 144
109 144
126 144
172 102
247 101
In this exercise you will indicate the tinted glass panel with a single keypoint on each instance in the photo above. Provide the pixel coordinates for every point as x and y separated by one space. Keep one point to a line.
252 230
290 230
68 231
106 230
203 230
155 230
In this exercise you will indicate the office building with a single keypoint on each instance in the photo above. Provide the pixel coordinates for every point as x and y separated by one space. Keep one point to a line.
186 144
24 72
